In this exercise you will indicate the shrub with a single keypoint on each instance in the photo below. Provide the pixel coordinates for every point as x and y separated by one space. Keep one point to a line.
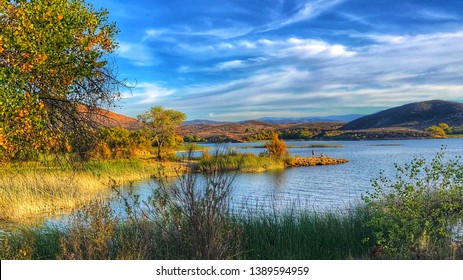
436 131
191 213
414 215
276 146
446 128
90 233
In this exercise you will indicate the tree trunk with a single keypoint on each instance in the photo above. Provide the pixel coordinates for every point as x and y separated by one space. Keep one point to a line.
159 150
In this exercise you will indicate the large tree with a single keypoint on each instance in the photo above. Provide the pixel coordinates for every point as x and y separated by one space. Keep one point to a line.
163 125
54 72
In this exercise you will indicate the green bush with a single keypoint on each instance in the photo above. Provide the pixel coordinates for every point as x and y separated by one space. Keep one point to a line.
415 214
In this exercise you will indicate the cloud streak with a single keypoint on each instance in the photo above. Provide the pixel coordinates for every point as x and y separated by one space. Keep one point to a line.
245 59
387 73
138 54
307 11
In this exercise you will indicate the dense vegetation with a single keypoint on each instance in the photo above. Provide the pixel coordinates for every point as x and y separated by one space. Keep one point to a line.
55 75
415 215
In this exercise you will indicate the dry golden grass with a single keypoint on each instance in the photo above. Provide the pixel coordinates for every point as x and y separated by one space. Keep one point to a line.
31 190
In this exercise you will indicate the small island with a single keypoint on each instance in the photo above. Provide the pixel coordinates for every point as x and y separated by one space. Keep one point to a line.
313 161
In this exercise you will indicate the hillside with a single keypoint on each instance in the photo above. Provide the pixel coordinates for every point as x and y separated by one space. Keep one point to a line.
111 119
337 118
419 115
239 132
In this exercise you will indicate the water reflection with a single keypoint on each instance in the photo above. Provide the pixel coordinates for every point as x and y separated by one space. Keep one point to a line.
324 188
320 187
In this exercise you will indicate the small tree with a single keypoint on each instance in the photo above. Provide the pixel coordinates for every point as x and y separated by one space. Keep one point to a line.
276 146
163 125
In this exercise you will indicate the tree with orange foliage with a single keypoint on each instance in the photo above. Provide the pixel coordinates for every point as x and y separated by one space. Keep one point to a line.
276 146
53 63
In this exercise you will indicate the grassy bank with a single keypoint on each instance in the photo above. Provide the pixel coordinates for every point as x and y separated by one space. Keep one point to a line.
37 188
247 163
96 233
250 163
288 235
31 189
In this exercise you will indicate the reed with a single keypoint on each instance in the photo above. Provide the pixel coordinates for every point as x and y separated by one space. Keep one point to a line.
31 189
289 235
305 235
246 163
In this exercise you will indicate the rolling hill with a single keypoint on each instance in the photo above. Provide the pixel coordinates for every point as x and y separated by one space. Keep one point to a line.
419 115
239 132
110 119
337 118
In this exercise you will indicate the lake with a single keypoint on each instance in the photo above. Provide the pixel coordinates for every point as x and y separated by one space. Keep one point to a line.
330 187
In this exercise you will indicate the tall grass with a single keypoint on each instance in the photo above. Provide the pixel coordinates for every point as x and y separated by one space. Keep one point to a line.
247 163
95 234
31 189
305 235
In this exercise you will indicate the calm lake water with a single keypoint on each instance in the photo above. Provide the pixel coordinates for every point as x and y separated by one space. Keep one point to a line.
332 187
327 187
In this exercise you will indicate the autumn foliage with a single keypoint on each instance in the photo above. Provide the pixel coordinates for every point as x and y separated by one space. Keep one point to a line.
276 146
52 61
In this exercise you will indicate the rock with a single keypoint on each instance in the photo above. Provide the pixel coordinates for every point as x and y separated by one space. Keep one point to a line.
312 161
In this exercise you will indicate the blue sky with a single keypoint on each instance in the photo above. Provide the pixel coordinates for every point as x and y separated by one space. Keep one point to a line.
242 59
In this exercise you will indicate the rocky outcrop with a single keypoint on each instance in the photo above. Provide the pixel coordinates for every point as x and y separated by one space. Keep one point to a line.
313 161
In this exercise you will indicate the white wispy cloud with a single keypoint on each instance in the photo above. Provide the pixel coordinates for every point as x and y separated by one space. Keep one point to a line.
389 39
147 93
312 9
226 32
357 19
307 11
263 52
432 14
309 48
233 64
136 53
387 73
154 33
239 68
433 38
247 44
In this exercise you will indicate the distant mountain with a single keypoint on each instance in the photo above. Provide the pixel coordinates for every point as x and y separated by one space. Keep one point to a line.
202 122
340 118
346 118
284 120
419 115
